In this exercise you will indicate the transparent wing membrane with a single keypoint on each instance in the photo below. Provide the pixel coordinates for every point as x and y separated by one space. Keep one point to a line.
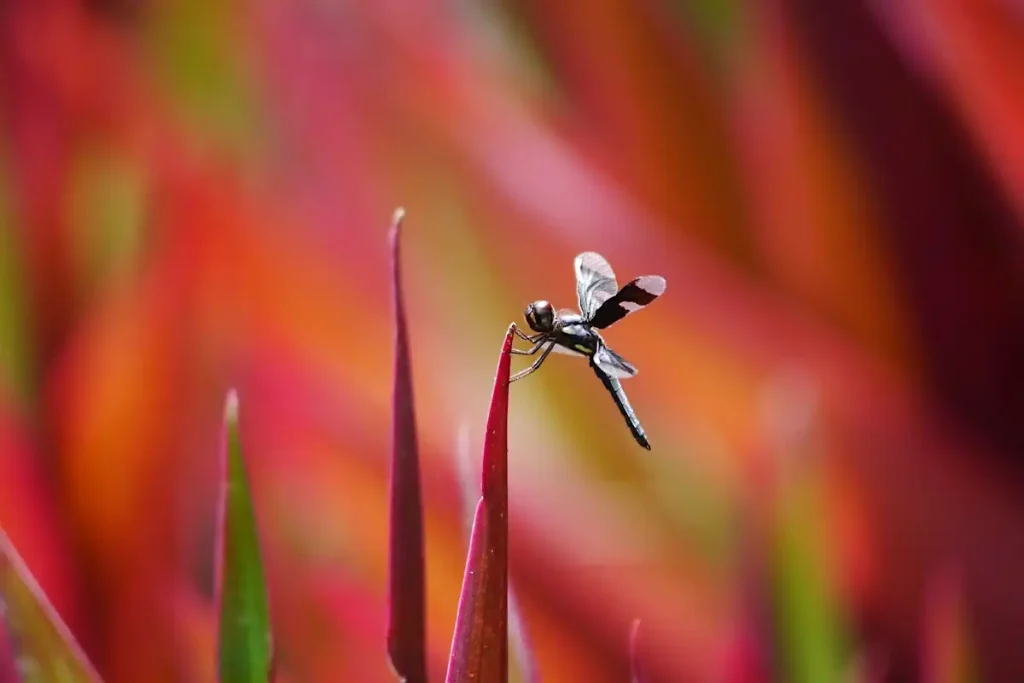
595 282
612 364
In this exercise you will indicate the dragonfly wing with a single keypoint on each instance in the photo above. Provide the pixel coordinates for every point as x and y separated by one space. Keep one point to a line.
612 364
595 282
632 297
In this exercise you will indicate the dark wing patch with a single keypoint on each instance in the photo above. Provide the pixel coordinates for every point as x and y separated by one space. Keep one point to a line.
632 297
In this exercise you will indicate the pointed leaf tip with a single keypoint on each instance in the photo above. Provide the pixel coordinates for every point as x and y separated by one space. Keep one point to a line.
494 473
406 636
479 649
396 223
245 647
231 406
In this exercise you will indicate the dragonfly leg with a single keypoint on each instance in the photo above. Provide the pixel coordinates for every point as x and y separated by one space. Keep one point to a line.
533 349
537 340
526 337
536 364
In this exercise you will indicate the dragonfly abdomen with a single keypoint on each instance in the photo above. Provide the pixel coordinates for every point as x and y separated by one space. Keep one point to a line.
614 387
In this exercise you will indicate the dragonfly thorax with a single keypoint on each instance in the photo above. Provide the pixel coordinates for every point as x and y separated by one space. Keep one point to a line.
540 316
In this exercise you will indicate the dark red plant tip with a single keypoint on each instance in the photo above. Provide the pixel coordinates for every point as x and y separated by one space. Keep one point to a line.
494 475
406 574
480 642
636 670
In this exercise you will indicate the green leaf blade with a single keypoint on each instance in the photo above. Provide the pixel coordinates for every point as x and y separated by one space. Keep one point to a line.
245 643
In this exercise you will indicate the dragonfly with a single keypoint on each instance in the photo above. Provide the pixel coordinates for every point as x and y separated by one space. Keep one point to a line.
602 303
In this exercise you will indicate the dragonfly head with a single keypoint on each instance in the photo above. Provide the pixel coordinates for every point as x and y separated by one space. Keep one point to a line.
540 316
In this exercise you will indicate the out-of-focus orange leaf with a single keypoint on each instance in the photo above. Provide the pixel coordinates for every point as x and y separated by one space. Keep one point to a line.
480 644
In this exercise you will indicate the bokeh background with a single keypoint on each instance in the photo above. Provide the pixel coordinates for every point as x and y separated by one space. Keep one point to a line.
195 194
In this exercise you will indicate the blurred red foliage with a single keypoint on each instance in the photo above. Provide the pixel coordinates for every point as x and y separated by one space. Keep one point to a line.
193 195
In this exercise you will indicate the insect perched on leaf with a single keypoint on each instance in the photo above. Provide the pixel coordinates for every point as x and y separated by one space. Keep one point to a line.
602 303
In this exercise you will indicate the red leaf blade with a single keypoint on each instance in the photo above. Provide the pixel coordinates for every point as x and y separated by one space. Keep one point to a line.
480 643
406 573
519 641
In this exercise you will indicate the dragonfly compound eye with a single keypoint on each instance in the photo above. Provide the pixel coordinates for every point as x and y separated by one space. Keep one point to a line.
539 316
544 315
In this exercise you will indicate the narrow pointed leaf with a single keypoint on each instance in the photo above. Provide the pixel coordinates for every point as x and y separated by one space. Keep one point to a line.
407 592
39 642
480 643
518 639
245 647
